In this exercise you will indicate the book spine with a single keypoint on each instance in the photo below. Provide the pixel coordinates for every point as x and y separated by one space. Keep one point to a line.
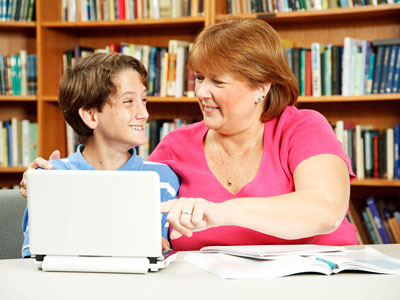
377 220
378 69
369 227
316 69
396 151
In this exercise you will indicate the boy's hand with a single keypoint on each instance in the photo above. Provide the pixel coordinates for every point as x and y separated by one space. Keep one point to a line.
165 244
38 163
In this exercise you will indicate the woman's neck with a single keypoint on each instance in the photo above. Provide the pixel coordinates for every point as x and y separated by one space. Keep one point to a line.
240 143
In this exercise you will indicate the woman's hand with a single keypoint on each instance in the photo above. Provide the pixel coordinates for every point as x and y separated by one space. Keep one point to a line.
187 215
38 163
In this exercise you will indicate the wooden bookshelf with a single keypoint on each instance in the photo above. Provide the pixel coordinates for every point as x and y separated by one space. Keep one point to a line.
49 37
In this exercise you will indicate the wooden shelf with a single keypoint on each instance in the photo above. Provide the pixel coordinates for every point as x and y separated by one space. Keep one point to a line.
377 182
18 24
125 23
360 12
12 169
339 98
29 98
149 99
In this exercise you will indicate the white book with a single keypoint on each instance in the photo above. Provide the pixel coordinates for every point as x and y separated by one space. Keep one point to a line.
83 8
14 142
180 71
316 69
390 153
164 74
173 46
23 74
339 131
72 10
25 143
359 153
155 8
348 61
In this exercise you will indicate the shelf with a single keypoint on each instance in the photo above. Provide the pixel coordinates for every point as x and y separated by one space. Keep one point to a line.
149 99
12 169
18 24
377 182
339 98
29 98
125 23
350 13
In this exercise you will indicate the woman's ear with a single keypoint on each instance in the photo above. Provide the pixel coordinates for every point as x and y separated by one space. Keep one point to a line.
89 117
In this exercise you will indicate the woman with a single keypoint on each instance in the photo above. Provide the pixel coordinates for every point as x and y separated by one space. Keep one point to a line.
256 170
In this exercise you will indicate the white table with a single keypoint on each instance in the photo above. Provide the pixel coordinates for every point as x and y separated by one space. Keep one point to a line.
181 280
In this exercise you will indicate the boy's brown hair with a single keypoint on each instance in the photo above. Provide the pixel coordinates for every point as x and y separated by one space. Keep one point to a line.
250 50
90 83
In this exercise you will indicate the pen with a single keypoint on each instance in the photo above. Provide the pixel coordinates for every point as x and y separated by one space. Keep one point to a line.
329 263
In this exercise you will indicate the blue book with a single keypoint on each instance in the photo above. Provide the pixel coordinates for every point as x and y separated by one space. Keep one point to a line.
385 69
370 78
377 220
378 69
369 227
152 70
396 151
396 75
392 68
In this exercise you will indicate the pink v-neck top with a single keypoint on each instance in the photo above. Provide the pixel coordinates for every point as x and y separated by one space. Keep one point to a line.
288 140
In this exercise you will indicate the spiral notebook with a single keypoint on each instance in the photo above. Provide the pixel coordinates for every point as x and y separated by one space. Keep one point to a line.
270 261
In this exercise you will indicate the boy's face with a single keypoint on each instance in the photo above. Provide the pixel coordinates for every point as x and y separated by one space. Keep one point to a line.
122 120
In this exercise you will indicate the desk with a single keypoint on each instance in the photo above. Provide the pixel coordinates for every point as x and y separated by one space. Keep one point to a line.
181 280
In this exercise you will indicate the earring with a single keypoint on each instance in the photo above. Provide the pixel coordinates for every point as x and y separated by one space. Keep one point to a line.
260 99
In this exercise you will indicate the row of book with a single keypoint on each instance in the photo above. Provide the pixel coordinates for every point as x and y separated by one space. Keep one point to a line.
360 67
155 129
373 153
272 6
18 142
168 71
377 219
110 10
17 10
18 74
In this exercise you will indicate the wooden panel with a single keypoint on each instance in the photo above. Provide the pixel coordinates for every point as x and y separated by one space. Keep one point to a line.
19 110
381 114
334 32
190 111
51 129
49 10
9 179
15 39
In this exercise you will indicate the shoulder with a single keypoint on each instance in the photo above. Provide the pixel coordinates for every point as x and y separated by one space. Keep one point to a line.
73 161
168 179
294 116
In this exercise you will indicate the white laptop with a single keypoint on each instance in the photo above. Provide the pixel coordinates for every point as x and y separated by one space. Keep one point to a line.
96 221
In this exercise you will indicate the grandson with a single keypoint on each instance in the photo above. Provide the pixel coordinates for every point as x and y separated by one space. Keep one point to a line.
103 98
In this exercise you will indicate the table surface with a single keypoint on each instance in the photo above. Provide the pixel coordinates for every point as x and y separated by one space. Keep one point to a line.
181 280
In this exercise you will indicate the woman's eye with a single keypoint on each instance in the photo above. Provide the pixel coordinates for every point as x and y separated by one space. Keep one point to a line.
144 100
128 101
199 78
217 82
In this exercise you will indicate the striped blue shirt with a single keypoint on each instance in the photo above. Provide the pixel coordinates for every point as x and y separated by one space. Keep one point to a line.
169 183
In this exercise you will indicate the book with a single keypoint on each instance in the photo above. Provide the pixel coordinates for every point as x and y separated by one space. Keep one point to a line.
285 262
377 220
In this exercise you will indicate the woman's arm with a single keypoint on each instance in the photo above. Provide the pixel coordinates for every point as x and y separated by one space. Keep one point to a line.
318 205
38 163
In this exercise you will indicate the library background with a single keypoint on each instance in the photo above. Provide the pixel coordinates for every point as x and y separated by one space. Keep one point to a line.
345 55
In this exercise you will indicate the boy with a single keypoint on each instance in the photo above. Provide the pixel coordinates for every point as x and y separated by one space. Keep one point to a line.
103 98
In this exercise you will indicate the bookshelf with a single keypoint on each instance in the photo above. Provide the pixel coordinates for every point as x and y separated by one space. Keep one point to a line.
49 37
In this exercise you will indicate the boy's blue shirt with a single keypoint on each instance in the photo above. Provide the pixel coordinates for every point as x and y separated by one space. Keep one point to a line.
169 183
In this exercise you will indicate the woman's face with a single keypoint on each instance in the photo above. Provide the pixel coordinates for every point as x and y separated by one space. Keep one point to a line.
229 105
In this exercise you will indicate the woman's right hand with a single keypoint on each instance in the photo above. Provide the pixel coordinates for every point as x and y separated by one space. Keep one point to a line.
38 163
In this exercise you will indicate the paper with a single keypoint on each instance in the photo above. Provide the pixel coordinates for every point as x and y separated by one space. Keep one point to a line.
235 267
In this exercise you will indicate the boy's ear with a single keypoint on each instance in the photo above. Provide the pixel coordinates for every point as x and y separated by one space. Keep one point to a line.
89 117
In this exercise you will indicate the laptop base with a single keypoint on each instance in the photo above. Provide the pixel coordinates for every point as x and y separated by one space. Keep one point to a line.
105 264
